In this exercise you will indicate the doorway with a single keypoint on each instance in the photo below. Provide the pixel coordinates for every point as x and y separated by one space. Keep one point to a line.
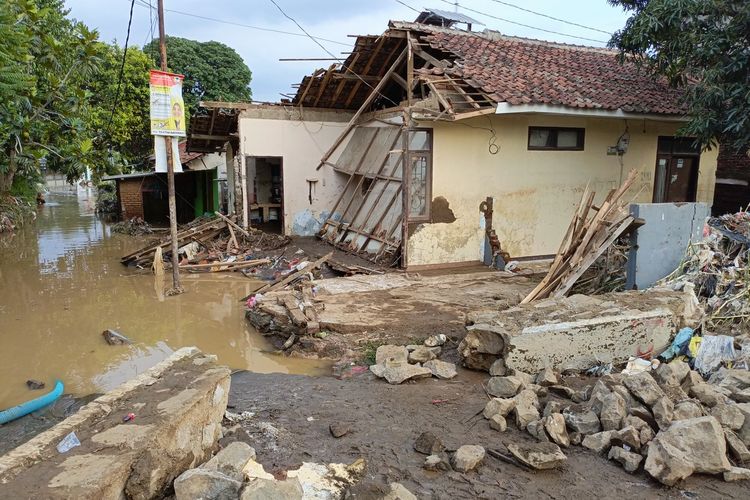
676 177
265 192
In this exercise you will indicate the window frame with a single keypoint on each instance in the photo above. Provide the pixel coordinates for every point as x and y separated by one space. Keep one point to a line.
427 153
580 142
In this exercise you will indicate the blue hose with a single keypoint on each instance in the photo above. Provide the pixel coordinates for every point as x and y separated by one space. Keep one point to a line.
33 405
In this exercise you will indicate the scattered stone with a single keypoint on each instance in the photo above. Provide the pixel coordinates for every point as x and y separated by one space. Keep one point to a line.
640 411
499 406
468 457
687 409
612 412
435 340
663 411
737 474
547 377
231 460
636 422
498 368
399 492
554 424
441 369
736 447
391 353
599 442
35 385
540 456
411 347
423 354
436 463
536 429
645 435
581 419
504 387
562 390
692 379
205 483
339 429
527 408
552 407
397 372
643 386
526 379
498 423
576 438
627 436
629 460
729 416
675 393
113 337
672 373
708 394
428 444
270 489
687 447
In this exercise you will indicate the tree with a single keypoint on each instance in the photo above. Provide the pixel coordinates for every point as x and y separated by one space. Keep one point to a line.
213 71
122 131
45 57
702 46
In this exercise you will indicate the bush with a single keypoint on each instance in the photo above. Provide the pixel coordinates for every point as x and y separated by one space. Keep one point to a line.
106 198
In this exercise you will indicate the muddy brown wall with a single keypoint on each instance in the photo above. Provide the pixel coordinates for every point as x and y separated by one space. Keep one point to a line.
131 199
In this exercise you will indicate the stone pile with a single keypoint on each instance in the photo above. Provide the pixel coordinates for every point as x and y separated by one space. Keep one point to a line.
397 364
668 421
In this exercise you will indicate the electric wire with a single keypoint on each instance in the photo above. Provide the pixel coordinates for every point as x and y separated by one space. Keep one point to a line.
122 69
541 14
524 25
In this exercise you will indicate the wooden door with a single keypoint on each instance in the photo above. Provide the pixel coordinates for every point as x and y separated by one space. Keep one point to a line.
676 179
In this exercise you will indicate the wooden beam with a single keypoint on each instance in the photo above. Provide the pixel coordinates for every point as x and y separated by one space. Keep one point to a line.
342 83
430 59
209 137
398 79
409 69
225 105
472 114
375 92
352 76
323 84
365 71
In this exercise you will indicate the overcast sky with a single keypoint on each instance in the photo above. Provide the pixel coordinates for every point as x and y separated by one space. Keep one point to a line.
332 20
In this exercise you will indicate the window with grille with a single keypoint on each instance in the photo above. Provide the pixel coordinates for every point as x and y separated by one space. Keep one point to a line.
556 139
420 175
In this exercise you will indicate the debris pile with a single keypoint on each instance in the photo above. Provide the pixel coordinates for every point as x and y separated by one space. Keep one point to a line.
718 267
397 364
668 420
587 238
134 226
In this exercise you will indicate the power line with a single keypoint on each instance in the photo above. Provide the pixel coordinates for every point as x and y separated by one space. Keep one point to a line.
508 4
409 6
524 25
328 51
122 68
248 26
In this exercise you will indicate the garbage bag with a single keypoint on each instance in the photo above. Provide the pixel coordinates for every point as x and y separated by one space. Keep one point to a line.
680 340
714 350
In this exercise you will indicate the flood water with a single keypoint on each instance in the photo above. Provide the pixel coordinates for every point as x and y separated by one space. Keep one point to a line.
62 284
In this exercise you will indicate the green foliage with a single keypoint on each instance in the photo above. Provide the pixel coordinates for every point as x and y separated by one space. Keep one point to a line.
213 71
701 45
369 350
106 198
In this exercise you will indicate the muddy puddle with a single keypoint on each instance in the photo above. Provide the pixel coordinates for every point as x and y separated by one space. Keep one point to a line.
62 284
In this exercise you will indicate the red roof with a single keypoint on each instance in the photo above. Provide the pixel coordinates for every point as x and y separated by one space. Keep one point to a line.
524 71
186 157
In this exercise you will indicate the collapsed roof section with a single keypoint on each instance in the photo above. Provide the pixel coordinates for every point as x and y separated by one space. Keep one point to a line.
212 126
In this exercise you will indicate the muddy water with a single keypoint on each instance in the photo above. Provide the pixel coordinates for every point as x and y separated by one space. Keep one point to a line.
62 284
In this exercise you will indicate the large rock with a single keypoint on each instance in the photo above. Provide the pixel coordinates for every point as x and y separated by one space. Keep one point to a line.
468 457
397 372
504 387
729 416
736 447
672 373
663 411
612 412
391 353
498 423
498 406
737 474
599 442
685 410
629 460
205 484
268 489
422 354
441 369
554 424
179 403
644 387
708 394
547 377
539 456
498 369
536 429
581 419
526 409
689 446
482 345
428 444
627 436
231 460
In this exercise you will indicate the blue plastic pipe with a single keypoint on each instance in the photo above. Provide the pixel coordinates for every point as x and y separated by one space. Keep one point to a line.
33 405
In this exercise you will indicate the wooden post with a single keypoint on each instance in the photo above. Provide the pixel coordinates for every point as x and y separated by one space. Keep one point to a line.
176 288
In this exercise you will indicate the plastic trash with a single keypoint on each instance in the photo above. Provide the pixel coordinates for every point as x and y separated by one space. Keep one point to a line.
68 443
680 341
637 365
128 417
714 350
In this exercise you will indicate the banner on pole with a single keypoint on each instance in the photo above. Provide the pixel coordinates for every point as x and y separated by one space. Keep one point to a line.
167 106
160 154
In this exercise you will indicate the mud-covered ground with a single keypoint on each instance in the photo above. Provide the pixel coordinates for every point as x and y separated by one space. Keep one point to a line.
293 414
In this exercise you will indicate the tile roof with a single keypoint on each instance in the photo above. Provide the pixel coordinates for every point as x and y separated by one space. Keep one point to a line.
185 156
524 71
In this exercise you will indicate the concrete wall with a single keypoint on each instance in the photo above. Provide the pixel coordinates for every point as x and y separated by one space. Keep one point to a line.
658 247
535 192
301 139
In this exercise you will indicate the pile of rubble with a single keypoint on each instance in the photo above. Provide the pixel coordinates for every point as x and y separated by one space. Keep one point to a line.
668 420
718 268
134 226
397 364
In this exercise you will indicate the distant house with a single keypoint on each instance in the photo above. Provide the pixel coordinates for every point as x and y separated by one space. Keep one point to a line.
442 121
198 189
732 181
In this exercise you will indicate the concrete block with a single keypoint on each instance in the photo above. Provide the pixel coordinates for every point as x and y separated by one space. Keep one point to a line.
658 246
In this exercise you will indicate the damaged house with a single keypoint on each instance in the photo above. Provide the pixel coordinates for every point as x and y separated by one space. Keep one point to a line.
433 146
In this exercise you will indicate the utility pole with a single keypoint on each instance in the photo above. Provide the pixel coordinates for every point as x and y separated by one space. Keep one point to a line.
176 288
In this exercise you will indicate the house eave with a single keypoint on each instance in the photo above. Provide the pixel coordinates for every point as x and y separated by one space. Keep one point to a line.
504 108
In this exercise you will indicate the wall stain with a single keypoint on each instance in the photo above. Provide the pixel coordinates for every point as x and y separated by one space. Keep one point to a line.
441 211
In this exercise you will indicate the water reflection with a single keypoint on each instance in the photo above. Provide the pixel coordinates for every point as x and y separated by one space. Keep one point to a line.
62 285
